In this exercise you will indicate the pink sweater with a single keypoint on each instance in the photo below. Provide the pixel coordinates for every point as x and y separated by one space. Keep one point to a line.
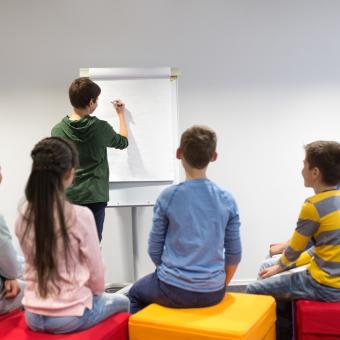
85 263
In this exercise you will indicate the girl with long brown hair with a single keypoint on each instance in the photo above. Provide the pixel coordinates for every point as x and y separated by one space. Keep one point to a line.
64 270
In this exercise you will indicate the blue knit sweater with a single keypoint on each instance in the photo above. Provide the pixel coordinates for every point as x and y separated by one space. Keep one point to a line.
195 232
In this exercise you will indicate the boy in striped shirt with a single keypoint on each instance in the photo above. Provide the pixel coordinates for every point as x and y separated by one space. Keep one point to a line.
319 221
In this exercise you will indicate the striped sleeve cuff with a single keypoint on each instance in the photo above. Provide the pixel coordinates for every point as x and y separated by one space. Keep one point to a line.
282 265
311 251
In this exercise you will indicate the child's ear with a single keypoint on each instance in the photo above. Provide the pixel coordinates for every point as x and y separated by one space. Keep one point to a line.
179 153
316 172
214 157
91 103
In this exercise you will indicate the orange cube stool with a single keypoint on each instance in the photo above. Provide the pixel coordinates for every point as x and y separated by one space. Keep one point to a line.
237 316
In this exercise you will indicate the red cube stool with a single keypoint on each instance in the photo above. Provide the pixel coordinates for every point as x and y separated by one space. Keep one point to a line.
317 320
13 326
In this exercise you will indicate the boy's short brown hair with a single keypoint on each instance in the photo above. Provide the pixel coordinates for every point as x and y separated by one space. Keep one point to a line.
325 155
198 145
81 91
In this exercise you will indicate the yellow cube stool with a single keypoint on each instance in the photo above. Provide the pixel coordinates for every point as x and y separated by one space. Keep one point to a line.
238 316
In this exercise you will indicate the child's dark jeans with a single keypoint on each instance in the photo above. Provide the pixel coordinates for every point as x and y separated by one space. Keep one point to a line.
150 289
98 210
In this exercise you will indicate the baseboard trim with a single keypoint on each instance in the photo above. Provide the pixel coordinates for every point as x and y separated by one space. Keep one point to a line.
242 282
124 290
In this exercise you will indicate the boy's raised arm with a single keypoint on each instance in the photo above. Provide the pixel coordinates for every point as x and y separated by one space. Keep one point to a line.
120 109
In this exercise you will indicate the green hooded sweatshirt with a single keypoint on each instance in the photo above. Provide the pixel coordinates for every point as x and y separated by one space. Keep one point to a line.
91 136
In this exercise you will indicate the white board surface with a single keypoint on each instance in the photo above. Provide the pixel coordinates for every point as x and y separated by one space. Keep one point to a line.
149 156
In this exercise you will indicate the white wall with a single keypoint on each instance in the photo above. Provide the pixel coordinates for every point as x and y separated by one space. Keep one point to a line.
265 75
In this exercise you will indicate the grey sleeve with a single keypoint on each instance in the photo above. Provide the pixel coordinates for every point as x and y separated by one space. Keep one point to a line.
9 266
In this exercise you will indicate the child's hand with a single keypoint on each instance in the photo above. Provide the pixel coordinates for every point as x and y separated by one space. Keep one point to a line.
119 106
12 289
268 272
277 248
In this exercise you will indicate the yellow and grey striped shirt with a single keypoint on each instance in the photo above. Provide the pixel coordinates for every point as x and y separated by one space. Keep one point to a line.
320 220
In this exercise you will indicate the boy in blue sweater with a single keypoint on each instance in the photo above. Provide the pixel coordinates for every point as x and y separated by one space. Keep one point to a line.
195 240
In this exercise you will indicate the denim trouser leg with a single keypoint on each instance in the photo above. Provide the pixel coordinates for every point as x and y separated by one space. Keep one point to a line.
268 262
104 306
299 285
289 287
98 210
150 289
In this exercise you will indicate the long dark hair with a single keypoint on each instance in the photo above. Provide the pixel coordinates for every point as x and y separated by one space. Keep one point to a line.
52 158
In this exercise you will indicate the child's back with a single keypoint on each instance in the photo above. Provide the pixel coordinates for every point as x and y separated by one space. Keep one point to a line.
202 222
82 275
91 136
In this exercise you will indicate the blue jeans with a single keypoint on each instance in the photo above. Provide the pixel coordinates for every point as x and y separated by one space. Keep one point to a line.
98 210
150 289
294 286
288 287
104 306
268 262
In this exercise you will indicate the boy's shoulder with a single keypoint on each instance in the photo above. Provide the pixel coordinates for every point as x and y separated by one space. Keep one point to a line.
224 194
100 124
58 126
168 191
192 185
85 120
80 129
57 129
322 196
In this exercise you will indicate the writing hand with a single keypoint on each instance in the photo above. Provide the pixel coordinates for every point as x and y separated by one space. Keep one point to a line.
119 106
